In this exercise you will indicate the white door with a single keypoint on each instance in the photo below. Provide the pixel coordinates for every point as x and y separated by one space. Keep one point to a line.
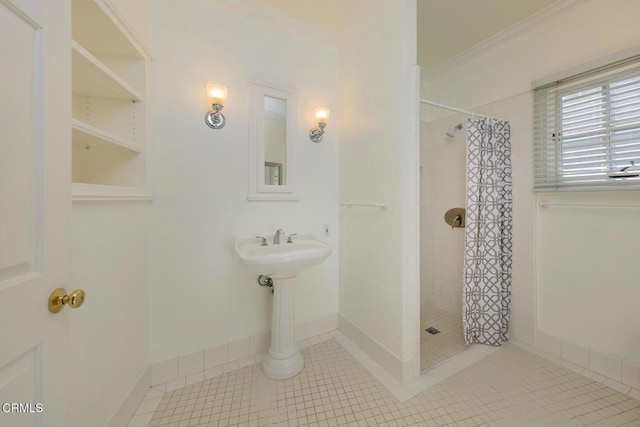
35 205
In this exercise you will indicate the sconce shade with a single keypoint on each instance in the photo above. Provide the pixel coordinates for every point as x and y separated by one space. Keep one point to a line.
217 94
322 114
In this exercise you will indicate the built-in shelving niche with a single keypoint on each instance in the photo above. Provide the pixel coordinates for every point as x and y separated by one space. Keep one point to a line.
109 85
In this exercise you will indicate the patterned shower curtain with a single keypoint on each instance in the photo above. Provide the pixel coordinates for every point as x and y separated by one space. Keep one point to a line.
488 235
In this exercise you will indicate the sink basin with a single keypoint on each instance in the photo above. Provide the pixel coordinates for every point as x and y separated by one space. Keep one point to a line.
284 260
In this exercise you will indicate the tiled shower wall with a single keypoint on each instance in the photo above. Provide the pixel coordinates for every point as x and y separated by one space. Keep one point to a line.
442 181
443 161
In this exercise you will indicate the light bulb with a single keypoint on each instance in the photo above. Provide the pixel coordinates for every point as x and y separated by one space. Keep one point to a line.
217 94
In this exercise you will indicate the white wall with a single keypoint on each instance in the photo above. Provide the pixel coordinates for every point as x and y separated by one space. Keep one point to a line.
588 285
376 54
199 294
585 270
109 333
570 39
443 187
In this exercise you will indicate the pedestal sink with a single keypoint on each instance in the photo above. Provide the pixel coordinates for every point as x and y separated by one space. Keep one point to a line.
281 262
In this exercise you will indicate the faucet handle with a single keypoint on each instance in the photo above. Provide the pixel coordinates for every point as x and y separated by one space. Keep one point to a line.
289 240
264 240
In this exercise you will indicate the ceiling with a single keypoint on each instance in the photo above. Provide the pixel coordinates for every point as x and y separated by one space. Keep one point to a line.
445 27
329 15
449 27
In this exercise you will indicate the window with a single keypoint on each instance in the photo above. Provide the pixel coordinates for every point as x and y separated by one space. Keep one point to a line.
587 130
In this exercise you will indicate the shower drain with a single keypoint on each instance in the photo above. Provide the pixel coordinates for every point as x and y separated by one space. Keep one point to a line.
432 330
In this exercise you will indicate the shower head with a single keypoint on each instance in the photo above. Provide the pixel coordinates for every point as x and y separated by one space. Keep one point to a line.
451 132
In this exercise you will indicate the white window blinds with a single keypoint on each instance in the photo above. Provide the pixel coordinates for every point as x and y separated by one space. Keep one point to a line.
587 130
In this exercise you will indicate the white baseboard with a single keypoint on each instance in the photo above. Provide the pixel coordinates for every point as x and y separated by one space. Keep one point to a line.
401 371
171 374
128 406
177 372
412 387
610 370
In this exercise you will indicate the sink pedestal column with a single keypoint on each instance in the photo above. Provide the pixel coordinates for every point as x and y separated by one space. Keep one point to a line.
284 359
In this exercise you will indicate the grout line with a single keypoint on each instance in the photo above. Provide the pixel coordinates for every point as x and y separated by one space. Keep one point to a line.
140 420
585 372
404 392
449 368
158 391
515 387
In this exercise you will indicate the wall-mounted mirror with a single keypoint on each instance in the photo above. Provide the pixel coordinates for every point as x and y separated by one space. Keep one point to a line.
275 141
273 173
271 127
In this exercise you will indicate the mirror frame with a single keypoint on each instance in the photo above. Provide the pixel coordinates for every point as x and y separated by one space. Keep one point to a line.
258 190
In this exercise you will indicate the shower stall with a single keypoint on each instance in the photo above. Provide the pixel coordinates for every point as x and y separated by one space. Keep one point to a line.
442 187
466 273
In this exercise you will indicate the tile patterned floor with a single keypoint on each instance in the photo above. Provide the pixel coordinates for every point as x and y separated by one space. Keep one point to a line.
510 387
440 347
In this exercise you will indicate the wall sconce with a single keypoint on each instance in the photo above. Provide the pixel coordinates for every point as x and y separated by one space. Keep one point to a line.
322 114
217 96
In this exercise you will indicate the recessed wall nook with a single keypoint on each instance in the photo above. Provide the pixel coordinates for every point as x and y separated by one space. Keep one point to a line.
110 72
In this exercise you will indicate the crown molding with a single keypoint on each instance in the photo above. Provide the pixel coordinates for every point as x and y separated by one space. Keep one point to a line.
130 33
259 13
529 23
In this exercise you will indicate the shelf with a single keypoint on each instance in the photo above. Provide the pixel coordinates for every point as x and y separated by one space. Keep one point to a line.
109 117
97 25
103 193
93 79
86 135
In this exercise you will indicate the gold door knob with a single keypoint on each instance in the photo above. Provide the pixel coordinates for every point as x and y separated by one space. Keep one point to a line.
59 298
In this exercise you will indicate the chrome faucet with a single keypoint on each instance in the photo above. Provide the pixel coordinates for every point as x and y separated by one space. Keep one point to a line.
276 237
